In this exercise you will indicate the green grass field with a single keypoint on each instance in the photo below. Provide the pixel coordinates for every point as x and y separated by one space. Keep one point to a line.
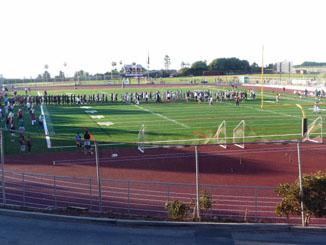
167 123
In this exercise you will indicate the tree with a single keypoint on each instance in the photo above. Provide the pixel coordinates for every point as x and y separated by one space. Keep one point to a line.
198 68
167 62
314 197
229 66
61 76
46 76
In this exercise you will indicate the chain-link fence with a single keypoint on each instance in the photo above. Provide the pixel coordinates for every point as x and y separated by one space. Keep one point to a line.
241 182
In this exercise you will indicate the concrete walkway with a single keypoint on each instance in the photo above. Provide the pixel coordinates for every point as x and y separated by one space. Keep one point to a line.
22 228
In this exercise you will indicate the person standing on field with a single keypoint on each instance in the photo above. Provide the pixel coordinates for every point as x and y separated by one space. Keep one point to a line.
87 142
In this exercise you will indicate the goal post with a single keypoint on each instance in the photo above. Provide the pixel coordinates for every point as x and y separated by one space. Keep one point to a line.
315 131
141 139
239 135
221 135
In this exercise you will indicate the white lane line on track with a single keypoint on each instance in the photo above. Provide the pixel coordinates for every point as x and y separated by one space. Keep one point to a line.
46 131
162 116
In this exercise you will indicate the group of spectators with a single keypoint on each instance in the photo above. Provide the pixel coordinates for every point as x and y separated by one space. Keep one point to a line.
12 116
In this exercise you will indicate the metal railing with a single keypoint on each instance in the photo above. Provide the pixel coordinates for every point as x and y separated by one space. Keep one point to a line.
129 198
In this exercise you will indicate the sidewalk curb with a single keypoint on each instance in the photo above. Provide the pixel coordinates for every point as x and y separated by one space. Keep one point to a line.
144 223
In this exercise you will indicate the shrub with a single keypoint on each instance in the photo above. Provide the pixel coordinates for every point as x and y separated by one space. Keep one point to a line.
177 210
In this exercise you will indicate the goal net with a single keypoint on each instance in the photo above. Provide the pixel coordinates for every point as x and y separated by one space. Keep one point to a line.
141 139
315 131
239 134
221 135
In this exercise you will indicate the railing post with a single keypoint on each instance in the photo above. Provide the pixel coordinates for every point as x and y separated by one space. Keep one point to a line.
90 193
197 185
129 197
256 204
55 191
300 185
98 176
24 189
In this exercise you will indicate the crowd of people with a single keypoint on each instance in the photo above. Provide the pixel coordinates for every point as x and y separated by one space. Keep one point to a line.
12 116
148 96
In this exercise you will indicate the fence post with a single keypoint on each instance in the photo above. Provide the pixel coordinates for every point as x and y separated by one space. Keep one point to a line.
90 193
256 204
129 197
197 185
168 192
54 192
300 184
24 189
98 177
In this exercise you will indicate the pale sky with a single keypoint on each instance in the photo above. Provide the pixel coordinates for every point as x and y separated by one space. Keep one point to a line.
90 34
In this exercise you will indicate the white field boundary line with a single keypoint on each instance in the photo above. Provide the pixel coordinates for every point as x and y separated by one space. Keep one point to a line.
46 131
228 138
164 117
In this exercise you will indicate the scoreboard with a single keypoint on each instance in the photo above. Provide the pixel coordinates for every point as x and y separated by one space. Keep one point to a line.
134 70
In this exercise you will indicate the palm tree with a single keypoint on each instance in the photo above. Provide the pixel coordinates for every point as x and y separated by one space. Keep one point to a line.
167 62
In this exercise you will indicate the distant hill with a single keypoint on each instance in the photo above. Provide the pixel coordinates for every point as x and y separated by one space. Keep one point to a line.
311 64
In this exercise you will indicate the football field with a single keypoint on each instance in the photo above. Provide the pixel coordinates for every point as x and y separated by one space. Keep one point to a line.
174 122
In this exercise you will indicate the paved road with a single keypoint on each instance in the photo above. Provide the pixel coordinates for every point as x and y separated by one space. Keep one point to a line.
29 230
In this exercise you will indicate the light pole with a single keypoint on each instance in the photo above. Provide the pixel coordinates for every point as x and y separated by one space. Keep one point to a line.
64 70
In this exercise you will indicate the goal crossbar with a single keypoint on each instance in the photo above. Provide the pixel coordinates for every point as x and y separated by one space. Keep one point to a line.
220 135
141 139
315 131
239 135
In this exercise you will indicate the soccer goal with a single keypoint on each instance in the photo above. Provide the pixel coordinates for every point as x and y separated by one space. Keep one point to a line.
141 139
221 135
315 131
239 135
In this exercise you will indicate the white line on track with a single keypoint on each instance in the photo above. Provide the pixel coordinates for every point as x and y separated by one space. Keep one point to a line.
46 131
164 117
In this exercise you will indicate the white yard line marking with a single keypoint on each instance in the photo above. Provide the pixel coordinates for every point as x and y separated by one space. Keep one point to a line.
105 123
97 117
46 131
164 117
91 112
86 107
